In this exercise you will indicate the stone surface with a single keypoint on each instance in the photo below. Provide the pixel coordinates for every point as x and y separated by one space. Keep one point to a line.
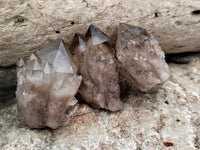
97 65
46 86
141 59
147 120
26 26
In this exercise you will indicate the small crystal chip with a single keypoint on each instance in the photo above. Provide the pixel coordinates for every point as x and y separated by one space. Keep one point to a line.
102 58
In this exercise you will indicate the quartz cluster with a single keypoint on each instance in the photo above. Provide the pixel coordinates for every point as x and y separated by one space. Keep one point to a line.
49 79
141 59
97 65
47 83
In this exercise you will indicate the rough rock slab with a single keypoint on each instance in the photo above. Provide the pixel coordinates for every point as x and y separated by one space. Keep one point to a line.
148 120
26 26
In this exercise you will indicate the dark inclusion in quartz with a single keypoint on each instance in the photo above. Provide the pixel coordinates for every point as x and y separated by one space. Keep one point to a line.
141 59
97 65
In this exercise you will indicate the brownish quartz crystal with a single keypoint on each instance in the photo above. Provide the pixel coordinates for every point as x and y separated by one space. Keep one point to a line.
97 65
141 59
46 86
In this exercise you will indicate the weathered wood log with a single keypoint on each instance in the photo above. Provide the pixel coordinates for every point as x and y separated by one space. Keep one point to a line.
26 26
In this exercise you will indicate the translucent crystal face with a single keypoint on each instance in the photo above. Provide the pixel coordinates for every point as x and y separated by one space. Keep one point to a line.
81 44
21 79
47 69
21 62
62 62
97 36
57 56
36 65
33 57
132 29
140 36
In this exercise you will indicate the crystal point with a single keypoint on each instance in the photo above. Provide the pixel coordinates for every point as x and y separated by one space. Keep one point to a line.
61 62
21 62
46 86
57 56
96 35
47 69
36 65
81 44
33 57
140 57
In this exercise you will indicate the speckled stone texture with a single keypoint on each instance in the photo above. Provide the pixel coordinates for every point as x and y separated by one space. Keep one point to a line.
169 115
26 26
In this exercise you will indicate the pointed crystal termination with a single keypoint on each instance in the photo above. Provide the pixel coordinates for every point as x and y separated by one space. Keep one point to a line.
97 65
47 83
21 62
141 59
97 36
47 69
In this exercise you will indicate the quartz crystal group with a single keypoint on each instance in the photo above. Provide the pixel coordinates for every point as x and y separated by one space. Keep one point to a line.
141 60
47 83
97 65
49 79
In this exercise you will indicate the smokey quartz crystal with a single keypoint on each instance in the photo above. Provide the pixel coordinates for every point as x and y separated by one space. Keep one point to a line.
97 65
141 59
49 79
47 83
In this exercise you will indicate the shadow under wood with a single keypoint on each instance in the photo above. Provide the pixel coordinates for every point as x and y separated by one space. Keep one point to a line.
180 58
8 83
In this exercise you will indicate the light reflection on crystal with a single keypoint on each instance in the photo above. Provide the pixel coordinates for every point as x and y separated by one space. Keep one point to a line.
111 61
33 57
62 62
146 38
47 69
81 44
24 93
102 58
36 65
21 79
